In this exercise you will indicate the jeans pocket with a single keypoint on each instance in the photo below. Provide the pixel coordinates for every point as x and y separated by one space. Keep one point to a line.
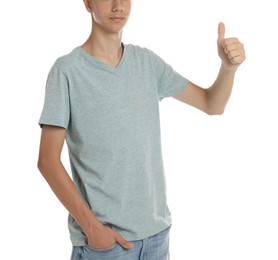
100 250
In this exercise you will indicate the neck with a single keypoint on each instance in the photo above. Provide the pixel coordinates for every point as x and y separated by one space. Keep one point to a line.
106 47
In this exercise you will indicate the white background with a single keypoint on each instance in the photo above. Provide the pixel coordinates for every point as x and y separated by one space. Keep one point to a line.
221 171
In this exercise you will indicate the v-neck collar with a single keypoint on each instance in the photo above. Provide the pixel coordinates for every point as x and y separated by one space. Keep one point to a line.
101 64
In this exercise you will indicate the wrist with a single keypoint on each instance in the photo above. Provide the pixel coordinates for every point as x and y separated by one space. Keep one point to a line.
228 69
91 225
87 220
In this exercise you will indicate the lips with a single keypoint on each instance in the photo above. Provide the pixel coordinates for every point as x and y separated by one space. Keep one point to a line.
117 18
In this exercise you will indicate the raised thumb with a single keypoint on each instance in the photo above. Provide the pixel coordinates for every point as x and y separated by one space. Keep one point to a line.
221 31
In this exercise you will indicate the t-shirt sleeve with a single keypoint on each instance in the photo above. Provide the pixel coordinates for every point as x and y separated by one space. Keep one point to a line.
56 108
170 83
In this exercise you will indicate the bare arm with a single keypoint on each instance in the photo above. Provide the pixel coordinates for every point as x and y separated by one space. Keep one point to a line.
52 169
214 99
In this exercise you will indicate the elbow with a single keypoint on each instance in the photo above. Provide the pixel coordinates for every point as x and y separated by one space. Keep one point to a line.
215 111
42 165
48 164
214 106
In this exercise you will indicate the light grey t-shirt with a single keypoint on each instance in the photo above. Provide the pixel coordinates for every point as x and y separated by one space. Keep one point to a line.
113 136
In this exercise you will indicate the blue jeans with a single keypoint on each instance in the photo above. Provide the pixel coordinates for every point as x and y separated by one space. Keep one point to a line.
152 248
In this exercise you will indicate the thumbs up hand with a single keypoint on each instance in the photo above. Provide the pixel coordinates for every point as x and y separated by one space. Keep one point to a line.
230 50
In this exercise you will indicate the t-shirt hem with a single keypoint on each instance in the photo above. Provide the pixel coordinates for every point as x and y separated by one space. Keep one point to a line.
42 123
183 84
83 242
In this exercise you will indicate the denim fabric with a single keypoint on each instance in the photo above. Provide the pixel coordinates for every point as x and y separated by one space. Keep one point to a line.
152 248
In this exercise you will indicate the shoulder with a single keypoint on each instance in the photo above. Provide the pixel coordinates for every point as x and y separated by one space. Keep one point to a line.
136 49
67 60
139 52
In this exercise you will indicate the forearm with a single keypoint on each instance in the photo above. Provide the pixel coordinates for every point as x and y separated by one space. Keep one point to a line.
219 93
65 190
